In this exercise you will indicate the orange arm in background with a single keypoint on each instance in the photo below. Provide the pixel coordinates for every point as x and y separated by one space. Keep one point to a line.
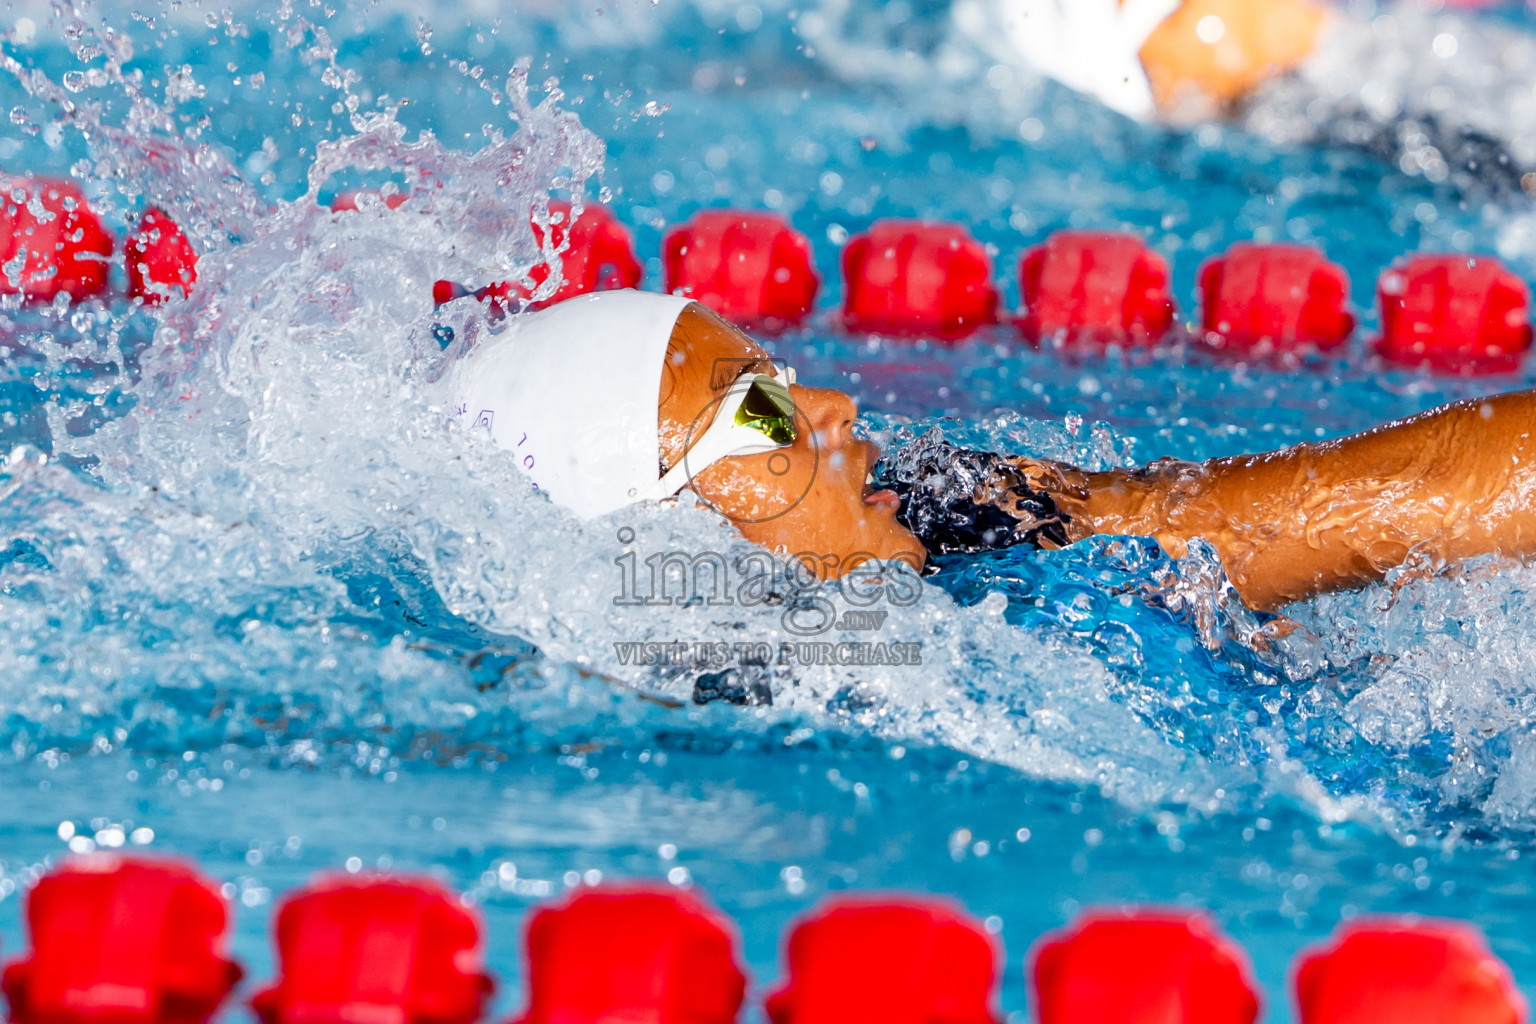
1210 53
1448 485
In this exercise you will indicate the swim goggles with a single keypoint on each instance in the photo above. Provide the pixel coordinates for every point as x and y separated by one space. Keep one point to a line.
755 415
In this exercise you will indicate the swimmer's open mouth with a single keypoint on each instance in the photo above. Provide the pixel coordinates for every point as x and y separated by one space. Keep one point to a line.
881 498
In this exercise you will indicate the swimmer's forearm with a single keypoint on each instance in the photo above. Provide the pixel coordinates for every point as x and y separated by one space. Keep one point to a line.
1451 484
1212 53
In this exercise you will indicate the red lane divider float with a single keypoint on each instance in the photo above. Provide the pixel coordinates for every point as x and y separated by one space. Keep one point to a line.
1454 313
917 277
1096 286
67 248
120 941
359 950
1276 296
889 961
1393 972
160 260
599 256
633 953
1451 313
1145 967
749 267
347 201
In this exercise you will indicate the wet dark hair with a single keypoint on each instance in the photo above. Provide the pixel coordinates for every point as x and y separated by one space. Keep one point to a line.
956 500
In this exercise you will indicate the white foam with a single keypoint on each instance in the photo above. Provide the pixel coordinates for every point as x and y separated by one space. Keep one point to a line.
1397 63
284 433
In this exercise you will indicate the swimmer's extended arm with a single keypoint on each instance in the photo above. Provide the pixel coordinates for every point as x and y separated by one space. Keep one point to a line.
1447 485
1191 60
1211 53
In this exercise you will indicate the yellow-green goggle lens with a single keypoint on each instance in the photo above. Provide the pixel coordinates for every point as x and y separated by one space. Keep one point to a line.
769 410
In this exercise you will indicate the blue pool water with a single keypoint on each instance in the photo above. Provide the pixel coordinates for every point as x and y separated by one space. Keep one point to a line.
251 613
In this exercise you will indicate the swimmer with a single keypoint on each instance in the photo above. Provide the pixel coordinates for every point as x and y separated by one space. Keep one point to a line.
1429 90
1145 57
615 398
1184 58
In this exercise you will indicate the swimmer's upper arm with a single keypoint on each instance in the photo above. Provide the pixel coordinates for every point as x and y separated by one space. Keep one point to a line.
1454 483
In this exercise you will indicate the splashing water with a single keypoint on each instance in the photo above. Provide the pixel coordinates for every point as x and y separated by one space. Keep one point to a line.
206 500
223 502
242 527
283 441
260 593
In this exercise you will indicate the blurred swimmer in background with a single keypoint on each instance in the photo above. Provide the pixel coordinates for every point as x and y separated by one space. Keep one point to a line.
1147 58
616 398
1432 90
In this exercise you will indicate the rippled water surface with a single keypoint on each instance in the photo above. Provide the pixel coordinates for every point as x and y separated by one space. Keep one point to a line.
261 605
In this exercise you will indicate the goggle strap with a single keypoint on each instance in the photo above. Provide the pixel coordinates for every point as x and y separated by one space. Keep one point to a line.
716 435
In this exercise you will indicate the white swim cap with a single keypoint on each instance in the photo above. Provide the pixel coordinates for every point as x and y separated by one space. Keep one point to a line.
573 392
1092 46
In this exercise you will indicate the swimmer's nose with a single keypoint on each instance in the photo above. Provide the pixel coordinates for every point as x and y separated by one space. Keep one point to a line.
829 413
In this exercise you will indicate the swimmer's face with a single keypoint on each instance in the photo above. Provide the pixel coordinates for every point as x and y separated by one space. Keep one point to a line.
808 499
